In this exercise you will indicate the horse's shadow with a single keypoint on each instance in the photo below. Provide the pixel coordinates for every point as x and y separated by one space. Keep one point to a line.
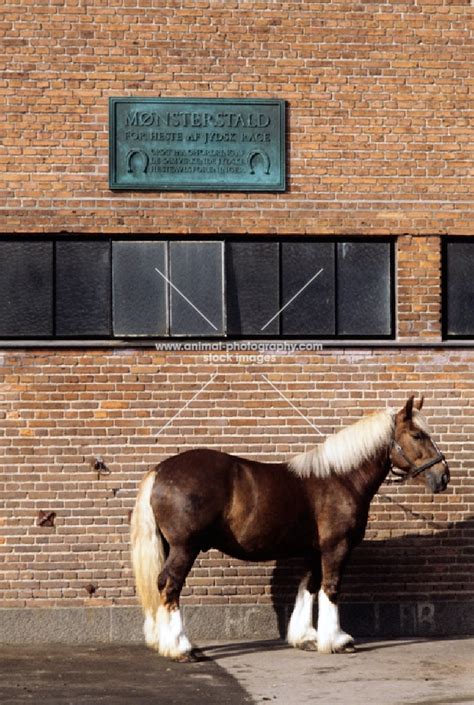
238 648
415 568
241 648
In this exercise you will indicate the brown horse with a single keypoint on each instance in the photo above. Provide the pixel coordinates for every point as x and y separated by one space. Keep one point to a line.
315 506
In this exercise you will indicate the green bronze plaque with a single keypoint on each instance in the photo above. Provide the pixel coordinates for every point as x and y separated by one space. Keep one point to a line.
174 144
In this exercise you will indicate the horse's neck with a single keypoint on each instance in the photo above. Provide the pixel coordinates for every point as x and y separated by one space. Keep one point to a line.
370 475
362 481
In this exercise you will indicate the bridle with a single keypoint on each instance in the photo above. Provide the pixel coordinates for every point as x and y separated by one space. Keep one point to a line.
413 470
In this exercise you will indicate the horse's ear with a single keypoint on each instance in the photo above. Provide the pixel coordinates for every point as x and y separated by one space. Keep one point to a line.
419 404
408 410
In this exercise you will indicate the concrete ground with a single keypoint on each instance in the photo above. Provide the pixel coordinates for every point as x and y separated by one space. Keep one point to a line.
401 672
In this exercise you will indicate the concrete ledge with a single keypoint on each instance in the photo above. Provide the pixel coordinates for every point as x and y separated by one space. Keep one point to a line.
80 625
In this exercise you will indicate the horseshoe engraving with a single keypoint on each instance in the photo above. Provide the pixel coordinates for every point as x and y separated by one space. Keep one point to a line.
144 156
253 156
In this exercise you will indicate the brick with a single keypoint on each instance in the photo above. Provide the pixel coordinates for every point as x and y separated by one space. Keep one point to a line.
378 135
356 114
407 527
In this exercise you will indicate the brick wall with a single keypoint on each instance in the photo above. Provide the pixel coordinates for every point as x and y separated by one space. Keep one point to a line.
418 288
378 110
378 142
63 408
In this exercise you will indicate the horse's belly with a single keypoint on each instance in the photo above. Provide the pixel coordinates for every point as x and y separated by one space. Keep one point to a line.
259 544
268 554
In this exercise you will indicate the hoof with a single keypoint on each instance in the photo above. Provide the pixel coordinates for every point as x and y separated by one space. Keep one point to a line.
343 645
308 646
348 648
191 657
188 657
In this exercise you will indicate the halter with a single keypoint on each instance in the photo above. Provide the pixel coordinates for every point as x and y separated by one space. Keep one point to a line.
413 470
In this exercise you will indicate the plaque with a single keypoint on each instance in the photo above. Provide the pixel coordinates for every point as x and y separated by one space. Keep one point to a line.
174 144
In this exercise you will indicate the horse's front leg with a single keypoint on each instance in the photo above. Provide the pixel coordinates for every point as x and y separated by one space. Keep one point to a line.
331 638
301 632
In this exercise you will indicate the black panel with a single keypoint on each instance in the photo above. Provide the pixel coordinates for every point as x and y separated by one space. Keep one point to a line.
139 290
26 288
83 288
364 289
459 280
310 290
196 288
252 280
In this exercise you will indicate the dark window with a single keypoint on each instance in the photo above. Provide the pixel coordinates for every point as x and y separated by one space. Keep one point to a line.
26 289
197 288
83 288
252 281
364 289
140 288
308 288
124 288
458 271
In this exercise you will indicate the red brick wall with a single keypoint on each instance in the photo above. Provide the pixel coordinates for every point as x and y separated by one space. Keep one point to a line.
378 141
377 109
62 408
418 264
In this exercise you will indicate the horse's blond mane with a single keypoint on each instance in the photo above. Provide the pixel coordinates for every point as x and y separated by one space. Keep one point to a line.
351 446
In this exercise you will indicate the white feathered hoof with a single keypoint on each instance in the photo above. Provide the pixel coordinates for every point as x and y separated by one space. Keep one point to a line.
349 648
308 646
172 641
186 657
331 638
340 643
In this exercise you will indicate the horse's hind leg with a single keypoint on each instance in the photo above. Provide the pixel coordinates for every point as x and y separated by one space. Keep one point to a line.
170 637
301 632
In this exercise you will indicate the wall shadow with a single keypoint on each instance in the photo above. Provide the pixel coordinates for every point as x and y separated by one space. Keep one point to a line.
110 674
415 568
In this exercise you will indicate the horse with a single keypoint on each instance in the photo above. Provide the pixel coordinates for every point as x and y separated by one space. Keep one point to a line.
315 507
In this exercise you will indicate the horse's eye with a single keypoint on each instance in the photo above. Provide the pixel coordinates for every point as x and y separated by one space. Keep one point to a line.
416 436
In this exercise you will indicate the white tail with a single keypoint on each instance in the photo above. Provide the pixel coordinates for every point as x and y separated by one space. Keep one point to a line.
148 554
163 626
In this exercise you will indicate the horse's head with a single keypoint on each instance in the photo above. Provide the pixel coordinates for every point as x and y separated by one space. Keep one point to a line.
413 453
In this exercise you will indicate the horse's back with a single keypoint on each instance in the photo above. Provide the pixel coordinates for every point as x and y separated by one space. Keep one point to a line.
201 470
221 476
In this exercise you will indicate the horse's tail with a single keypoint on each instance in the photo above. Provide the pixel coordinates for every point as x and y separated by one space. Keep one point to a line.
148 549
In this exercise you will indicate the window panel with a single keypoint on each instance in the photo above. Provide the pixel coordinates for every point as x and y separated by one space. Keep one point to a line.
459 280
307 271
364 289
154 288
197 288
26 288
83 288
252 279
140 292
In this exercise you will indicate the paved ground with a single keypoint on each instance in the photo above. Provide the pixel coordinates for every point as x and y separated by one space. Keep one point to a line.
399 672
110 675
403 672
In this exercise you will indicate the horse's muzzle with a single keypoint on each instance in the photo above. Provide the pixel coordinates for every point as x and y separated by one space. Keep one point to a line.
438 480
